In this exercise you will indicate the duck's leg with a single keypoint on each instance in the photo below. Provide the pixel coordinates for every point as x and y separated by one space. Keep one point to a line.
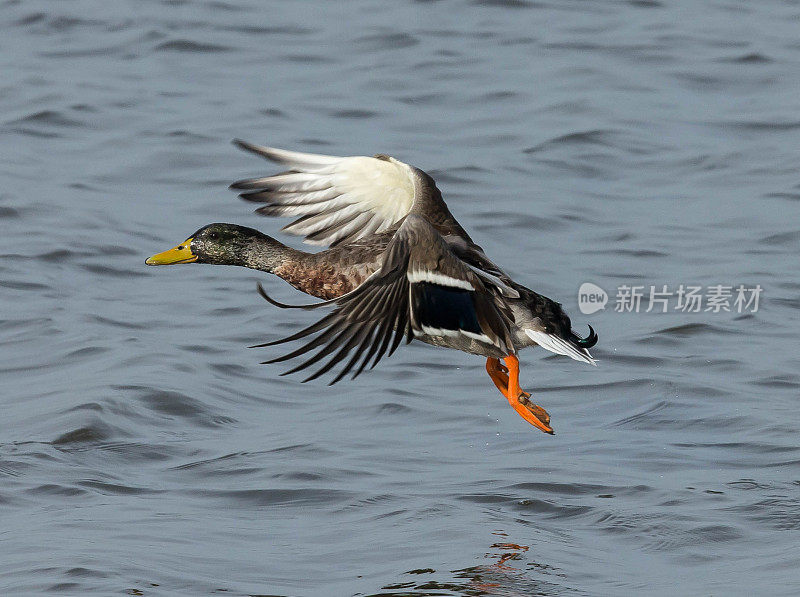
499 374
506 378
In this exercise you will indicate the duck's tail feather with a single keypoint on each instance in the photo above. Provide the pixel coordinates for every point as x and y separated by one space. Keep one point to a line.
586 342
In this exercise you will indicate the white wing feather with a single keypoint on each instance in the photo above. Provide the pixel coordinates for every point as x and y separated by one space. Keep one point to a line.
338 198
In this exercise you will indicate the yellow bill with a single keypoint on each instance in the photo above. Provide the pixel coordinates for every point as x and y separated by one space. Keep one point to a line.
180 254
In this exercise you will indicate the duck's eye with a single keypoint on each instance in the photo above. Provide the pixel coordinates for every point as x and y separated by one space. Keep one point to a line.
213 235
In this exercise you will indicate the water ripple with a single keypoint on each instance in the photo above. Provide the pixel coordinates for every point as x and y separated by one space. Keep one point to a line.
609 142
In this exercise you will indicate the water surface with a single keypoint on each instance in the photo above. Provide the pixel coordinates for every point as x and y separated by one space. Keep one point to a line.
145 451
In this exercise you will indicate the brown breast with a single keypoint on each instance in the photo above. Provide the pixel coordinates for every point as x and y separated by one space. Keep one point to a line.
323 280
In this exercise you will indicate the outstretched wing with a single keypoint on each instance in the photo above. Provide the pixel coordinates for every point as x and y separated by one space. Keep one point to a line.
342 199
421 289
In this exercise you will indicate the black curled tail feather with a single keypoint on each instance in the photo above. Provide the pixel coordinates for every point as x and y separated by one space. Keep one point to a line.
586 342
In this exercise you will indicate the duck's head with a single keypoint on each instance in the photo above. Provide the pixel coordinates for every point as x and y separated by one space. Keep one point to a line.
218 244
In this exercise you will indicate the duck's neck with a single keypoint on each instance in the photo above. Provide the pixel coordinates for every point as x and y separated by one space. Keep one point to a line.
267 254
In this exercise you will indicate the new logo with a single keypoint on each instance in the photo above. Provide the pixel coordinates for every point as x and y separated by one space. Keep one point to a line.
591 298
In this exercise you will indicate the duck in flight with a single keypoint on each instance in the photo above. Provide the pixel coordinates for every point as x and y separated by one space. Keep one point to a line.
398 267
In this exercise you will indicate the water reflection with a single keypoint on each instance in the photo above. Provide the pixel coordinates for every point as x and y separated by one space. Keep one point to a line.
510 575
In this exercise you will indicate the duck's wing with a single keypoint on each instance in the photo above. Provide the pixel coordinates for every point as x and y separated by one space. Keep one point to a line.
422 288
473 256
343 199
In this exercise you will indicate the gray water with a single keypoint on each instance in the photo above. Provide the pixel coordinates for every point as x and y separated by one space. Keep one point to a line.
144 450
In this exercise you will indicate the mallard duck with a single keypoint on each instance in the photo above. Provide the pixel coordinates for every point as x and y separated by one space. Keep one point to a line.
398 267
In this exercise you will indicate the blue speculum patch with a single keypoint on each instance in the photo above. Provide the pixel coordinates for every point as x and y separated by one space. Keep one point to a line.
444 307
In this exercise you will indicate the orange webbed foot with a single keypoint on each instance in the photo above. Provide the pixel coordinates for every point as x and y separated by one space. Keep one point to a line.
506 378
